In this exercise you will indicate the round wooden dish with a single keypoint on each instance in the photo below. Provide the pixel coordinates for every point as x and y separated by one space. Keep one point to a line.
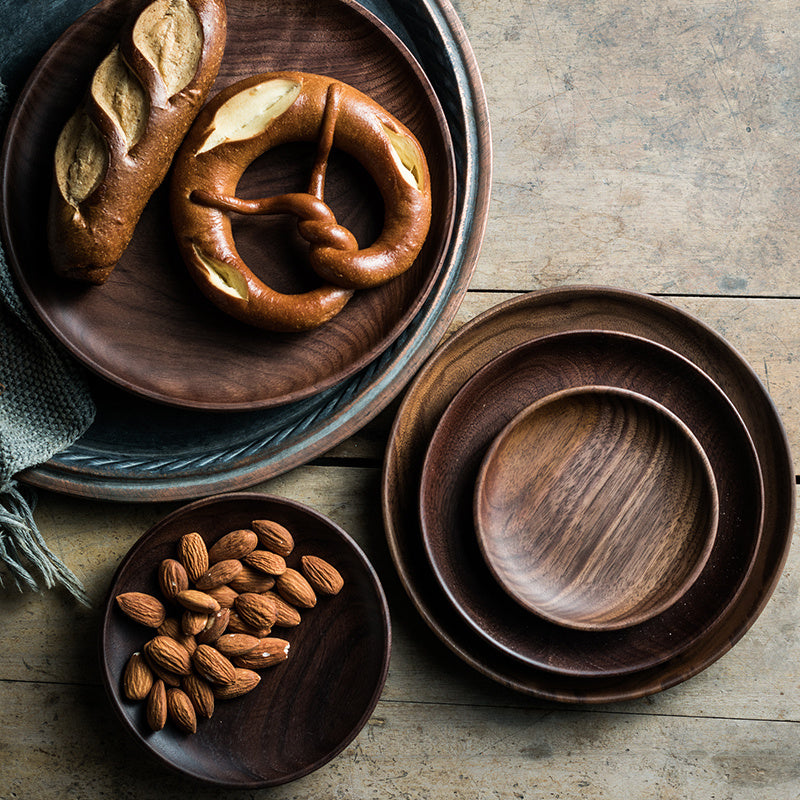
149 329
596 508
522 319
488 401
306 709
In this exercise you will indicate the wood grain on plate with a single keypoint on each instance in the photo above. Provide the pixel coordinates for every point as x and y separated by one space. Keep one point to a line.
522 319
306 709
480 410
596 508
149 329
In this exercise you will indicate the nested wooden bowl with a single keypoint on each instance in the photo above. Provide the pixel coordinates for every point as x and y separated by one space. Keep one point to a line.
505 386
596 508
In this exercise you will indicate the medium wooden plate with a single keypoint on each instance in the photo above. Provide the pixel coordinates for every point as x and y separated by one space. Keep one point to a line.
149 329
306 709
596 508
522 319
489 401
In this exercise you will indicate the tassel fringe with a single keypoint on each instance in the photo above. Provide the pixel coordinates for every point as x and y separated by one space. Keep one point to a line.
23 550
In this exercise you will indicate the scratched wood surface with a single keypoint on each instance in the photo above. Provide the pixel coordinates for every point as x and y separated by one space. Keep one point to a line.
649 146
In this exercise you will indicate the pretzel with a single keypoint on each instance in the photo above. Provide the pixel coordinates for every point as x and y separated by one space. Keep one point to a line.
264 111
116 149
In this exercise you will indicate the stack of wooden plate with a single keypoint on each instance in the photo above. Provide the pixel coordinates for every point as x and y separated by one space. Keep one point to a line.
605 494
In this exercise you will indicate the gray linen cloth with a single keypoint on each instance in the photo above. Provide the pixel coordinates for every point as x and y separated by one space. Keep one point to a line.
45 406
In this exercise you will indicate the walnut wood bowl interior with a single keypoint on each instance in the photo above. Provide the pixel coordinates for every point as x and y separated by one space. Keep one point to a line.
596 508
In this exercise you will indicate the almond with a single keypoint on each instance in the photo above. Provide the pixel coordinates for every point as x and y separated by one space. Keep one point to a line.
194 600
142 608
266 653
265 561
156 710
212 665
193 554
251 580
168 654
164 675
286 615
137 679
172 628
172 578
244 681
219 574
323 577
224 595
273 536
295 589
180 710
237 625
257 610
236 644
215 626
200 693
236 544
192 622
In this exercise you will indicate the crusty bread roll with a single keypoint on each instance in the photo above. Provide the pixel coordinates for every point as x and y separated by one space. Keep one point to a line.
116 149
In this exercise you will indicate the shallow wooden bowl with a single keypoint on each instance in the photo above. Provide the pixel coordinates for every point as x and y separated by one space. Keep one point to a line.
596 508
306 709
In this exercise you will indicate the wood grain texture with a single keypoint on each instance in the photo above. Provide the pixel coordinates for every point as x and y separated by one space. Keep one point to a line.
596 508
637 144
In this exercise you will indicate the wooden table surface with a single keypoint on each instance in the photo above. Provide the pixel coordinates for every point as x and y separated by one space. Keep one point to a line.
650 146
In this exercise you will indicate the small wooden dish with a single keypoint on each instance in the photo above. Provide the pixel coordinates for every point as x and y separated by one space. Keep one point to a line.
596 508
306 709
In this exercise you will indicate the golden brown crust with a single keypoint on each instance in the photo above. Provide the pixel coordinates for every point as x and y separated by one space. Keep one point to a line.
231 132
118 146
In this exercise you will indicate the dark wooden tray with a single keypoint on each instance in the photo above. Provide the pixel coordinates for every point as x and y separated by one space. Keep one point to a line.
148 329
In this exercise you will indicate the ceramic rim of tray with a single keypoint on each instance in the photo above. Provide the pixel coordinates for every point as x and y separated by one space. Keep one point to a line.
306 709
522 319
148 328
139 451
533 371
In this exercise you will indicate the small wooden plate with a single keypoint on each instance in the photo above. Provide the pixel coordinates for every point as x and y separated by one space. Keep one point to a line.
306 709
148 329
596 508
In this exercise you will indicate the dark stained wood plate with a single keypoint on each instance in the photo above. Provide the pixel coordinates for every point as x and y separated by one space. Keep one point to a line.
148 329
522 319
489 401
306 709
596 507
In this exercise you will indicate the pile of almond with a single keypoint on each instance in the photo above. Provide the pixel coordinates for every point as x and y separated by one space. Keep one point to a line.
214 623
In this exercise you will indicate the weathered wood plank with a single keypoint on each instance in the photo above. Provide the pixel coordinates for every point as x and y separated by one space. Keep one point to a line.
416 750
641 144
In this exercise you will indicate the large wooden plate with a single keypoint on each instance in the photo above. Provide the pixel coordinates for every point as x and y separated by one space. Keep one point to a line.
139 450
148 329
531 372
306 709
551 311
